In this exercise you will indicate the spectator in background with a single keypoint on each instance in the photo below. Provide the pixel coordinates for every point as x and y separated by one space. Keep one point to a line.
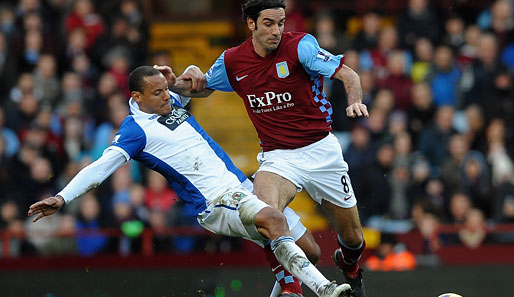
482 72
137 201
420 174
46 79
499 20
458 147
328 34
7 21
397 80
105 132
158 195
10 221
84 17
476 130
117 62
373 186
444 77
469 51
474 231
161 57
360 151
419 21
459 206
367 37
475 178
422 110
32 50
423 53
499 102
295 19
502 166
90 240
376 59
433 141
428 227
384 101
76 45
400 178
103 103
88 73
454 36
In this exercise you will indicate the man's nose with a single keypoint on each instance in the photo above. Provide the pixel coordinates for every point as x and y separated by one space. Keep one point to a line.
275 30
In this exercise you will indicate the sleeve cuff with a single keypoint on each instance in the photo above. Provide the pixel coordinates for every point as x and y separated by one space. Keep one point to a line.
338 67
119 149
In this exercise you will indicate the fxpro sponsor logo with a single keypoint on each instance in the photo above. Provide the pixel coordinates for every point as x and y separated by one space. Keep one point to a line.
269 98
271 101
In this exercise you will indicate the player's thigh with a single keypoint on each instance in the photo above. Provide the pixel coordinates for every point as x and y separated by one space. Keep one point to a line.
274 189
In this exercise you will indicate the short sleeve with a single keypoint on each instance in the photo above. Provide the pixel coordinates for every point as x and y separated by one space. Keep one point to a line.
316 60
217 78
130 139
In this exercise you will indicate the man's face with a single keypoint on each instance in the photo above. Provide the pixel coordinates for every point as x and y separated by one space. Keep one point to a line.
155 97
267 32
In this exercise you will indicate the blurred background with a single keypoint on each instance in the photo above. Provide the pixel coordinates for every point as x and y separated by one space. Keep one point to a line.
432 167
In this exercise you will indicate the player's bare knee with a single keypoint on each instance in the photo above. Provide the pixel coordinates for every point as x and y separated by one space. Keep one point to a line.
276 222
353 237
272 221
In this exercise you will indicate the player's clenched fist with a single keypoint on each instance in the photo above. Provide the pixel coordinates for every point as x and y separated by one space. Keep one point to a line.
196 76
357 110
46 207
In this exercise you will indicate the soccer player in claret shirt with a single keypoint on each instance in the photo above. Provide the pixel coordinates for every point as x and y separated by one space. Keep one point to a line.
280 76
165 137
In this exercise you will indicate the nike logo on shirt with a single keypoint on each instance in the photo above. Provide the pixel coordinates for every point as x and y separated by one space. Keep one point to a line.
241 78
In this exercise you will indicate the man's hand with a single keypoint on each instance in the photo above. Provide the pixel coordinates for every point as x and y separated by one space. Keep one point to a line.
357 110
46 207
168 74
197 78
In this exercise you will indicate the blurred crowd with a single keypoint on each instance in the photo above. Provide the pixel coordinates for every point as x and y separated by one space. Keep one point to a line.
437 147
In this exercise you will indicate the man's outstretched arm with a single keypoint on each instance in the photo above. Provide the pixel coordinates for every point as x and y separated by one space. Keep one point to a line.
353 88
87 179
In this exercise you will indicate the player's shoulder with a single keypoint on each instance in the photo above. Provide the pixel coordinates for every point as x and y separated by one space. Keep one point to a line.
245 46
131 125
294 35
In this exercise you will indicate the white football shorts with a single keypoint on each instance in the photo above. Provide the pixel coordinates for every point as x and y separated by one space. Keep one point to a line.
319 168
233 213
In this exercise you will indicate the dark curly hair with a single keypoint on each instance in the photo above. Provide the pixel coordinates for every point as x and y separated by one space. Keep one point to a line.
252 8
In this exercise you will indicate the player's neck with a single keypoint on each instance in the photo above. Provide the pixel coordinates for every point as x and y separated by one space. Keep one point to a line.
259 49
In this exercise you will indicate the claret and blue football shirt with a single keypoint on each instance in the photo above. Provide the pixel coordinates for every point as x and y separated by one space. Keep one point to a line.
283 91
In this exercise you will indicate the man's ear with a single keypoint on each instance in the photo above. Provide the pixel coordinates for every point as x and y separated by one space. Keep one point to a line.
137 96
251 23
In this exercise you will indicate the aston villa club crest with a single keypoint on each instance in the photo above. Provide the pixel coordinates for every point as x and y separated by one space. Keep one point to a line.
282 70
